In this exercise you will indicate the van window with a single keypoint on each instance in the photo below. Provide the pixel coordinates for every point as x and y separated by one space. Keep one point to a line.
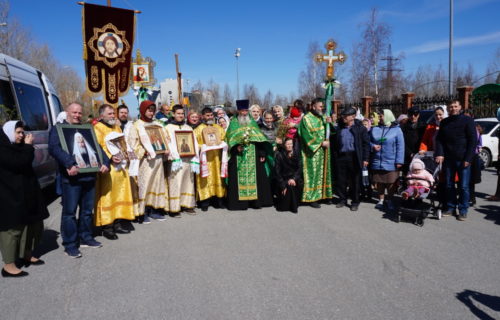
8 109
56 103
32 106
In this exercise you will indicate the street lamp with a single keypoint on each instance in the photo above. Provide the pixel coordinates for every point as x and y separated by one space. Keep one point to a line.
237 55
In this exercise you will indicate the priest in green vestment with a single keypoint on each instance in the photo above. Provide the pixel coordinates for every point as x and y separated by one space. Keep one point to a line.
315 155
250 161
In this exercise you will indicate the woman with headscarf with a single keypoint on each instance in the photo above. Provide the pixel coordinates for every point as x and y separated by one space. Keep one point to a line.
269 128
223 122
387 156
430 133
151 180
289 127
288 175
23 206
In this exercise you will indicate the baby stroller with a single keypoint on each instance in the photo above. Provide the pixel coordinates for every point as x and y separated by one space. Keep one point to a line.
417 209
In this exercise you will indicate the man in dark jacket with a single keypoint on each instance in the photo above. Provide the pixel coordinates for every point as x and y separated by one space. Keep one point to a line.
412 135
455 144
78 189
351 152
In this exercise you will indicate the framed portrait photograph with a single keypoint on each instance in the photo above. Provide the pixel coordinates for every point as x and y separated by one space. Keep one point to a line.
141 72
211 136
185 143
80 142
157 138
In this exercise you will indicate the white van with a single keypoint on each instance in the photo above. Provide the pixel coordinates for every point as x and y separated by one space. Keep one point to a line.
26 94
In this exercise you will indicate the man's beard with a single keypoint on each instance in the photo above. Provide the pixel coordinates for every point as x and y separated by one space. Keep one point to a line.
110 122
243 120
124 120
209 122
317 112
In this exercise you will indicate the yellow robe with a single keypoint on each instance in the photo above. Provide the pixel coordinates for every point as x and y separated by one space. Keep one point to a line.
151 181
113 191
213 185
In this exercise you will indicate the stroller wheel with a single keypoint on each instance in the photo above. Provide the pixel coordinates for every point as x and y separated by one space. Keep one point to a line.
439 214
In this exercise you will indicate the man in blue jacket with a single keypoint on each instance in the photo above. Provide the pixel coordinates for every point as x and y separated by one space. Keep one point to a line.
351 152
77 189
455 144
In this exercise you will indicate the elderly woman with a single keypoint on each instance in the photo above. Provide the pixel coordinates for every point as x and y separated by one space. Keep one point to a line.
255 113
279 114
193 119
387 156
23 207
269 128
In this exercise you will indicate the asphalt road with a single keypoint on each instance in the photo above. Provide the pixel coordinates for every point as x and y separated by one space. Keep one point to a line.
261 264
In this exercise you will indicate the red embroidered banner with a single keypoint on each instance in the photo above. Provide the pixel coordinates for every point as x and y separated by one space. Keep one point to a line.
108 38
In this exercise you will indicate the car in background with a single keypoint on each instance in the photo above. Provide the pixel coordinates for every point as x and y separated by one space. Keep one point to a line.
26 94
490 135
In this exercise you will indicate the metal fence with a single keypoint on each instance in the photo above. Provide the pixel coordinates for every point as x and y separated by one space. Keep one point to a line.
485 106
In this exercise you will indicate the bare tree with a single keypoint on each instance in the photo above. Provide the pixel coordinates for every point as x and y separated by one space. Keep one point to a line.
311 79
375 39
251 93
227 98
267 101
214 88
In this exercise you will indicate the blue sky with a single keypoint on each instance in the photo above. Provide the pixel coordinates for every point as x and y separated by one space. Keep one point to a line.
273 35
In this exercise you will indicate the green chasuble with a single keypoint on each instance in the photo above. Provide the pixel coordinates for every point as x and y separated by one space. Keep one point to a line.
247 174
315 159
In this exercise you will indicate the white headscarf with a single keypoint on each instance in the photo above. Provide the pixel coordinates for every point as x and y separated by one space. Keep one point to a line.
10 130
77 152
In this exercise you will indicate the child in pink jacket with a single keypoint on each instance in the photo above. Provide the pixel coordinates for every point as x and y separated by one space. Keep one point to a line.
416 186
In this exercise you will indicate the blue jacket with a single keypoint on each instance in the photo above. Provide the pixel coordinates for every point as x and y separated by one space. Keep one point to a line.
393 147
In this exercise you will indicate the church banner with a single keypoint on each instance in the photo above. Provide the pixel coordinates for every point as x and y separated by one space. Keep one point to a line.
108 38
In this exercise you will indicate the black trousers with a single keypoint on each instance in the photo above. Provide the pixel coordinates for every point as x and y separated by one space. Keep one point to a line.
348 177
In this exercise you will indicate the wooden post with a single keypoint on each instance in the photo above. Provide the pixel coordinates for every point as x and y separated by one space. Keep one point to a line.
464 96
179 79
109 3
407 101
366 101
336 105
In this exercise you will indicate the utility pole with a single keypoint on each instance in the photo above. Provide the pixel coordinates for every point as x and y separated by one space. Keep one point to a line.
390 68
237 55
450 62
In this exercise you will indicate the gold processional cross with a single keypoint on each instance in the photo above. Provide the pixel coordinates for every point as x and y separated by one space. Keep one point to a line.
331 58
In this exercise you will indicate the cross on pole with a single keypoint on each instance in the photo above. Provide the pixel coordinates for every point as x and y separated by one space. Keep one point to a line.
331 57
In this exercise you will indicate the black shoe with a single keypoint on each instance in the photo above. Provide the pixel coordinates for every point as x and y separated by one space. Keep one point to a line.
315 205
110 235
328 202
354 207
6 274
120 230
204 209
341 204
221 203
26 263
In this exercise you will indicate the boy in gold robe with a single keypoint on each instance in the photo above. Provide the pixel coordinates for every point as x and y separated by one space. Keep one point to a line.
213 161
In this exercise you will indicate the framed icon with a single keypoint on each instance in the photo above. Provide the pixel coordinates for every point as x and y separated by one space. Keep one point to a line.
157 138
185 143
211 136
80 142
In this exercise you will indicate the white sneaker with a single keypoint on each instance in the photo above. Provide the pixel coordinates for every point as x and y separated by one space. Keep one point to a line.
380 204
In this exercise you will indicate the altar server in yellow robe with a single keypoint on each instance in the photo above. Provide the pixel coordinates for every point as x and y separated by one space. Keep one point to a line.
213 161
113 192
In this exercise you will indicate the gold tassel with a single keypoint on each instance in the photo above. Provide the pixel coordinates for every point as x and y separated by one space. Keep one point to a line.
83 34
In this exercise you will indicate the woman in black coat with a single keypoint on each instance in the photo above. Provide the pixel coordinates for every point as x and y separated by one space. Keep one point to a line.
288 175
23 207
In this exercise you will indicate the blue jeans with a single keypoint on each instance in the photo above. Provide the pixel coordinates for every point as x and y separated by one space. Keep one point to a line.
76 194
451 168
